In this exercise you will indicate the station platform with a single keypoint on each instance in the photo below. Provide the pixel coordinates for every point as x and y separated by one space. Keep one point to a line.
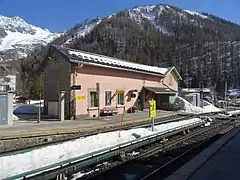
30 128
219 161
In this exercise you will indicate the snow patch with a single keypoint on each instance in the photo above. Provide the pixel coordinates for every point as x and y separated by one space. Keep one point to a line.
37 158
85 29
187 107
150 13
14 117
14 39
196 14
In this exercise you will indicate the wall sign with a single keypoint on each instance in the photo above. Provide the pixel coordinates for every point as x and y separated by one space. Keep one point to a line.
81 98
76 87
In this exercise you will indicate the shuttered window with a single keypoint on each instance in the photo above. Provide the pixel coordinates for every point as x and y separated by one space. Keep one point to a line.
93 99
120 98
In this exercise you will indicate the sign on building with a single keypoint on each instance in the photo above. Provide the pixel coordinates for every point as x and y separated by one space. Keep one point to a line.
81 98
76 87
152 108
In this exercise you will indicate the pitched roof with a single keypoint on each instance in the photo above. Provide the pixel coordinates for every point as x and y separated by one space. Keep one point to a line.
78 56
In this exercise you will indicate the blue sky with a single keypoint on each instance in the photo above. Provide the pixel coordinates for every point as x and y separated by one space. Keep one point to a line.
59 15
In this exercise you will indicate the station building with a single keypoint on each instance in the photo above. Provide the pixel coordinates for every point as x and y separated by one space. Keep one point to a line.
96 84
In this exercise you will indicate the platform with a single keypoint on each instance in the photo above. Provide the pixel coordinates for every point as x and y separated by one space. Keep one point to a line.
29 128
219 161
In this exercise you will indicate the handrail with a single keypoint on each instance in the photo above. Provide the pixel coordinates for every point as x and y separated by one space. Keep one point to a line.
98 152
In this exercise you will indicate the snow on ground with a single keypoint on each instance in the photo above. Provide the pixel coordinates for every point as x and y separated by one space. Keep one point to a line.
187 107
19 163
231 113
14 118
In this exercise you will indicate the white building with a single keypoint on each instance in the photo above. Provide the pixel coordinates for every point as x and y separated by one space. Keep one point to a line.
7 80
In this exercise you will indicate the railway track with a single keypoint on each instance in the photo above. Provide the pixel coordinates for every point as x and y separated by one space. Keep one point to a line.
29 147
67 168
70 166
160 159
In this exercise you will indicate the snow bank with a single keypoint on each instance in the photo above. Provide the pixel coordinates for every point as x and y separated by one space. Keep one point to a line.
19 163
187 107
231 113
15 118
210 108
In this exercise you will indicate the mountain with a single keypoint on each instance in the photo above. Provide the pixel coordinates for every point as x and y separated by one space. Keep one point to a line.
18 38
202 46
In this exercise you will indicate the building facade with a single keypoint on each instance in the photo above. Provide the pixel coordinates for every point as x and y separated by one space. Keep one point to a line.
96 84
7 79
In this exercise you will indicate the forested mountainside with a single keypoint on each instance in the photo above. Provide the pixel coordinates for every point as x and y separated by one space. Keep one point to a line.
200 45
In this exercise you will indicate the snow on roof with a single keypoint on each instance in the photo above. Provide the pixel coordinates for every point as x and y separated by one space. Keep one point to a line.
195 90
96 59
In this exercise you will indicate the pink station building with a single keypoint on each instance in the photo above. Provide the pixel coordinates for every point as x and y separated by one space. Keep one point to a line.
95 85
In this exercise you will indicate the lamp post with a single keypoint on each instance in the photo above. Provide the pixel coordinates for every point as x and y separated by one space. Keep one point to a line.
201 92
227 77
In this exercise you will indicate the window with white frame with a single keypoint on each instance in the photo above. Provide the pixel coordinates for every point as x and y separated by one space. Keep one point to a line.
108 96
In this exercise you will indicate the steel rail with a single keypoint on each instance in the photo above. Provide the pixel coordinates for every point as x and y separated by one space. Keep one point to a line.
196 148
158 149
71 165
38 146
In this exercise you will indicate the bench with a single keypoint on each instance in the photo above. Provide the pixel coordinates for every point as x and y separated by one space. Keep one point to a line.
108 111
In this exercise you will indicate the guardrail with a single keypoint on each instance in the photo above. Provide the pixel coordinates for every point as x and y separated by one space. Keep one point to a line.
71 165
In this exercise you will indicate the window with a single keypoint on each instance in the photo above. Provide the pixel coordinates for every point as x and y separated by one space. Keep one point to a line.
120 98
93 99
108 95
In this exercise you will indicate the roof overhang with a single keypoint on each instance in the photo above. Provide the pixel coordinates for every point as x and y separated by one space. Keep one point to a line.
159 90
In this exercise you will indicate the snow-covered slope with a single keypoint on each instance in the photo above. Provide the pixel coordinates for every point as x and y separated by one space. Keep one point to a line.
81 30
157 15
18 38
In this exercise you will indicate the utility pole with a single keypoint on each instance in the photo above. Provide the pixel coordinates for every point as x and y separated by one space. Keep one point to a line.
39 108
225 98
201 92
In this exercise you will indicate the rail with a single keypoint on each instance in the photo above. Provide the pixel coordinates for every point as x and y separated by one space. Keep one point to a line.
148 155
70 165
30 148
